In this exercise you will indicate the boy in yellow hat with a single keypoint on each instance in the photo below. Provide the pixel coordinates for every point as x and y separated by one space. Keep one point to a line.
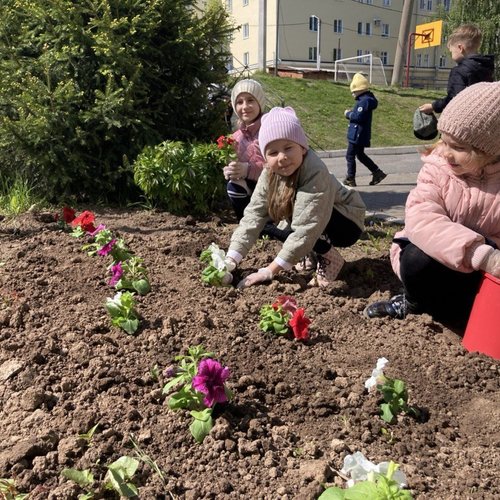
360 130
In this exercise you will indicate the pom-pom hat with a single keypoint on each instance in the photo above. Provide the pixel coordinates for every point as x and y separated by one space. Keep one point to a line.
473 117
281 123
359 83
252 87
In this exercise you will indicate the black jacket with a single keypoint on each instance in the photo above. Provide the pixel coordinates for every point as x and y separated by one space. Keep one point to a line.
473 69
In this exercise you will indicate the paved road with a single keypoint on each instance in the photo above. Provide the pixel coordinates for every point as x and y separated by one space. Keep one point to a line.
387 199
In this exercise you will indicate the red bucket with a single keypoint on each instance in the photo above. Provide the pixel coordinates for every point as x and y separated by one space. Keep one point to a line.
483 329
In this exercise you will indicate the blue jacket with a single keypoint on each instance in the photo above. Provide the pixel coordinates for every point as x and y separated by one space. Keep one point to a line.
360 119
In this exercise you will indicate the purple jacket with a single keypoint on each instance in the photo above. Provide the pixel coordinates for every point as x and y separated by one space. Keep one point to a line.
448 216
248 149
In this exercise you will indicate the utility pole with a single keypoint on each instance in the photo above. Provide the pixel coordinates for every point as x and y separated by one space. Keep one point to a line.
262 34
404 29
318 43
277 48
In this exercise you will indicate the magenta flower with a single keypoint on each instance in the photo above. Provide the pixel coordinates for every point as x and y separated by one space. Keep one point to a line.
98 229
107 248
117 273
210 381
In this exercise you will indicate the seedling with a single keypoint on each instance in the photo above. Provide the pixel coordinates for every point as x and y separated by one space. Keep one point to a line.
8 490
87 436
218 269
133 276
122 310
201 384
283 317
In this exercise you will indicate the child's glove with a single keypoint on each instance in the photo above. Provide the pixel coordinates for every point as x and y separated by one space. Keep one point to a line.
236 170
491 264
263 274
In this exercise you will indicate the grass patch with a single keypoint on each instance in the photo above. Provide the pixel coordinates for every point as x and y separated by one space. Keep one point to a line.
320 106
17 195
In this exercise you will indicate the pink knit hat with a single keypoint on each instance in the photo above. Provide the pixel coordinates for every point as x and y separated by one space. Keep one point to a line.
473 117
281 123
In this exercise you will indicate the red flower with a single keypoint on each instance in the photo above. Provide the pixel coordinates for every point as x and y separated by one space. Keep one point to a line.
287 303
85 220
224 141
299 324
68 214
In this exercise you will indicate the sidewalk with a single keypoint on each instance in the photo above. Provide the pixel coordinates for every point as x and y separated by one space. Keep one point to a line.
385 201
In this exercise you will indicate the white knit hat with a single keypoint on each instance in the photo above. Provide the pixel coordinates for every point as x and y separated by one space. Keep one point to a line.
253 87
281 123
473 117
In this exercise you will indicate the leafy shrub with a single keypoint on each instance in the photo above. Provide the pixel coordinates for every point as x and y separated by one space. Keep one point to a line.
181 177
87 85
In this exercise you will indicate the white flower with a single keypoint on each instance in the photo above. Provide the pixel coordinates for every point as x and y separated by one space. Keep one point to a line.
360 468
377 374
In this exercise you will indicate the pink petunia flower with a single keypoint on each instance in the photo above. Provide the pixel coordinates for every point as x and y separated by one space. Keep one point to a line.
287 303
107 248
98 229
210 381
117 273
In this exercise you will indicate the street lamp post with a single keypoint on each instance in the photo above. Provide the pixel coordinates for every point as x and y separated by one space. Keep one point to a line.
318 42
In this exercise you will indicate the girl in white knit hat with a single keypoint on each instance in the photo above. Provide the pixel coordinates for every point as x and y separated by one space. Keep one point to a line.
297 187
452 221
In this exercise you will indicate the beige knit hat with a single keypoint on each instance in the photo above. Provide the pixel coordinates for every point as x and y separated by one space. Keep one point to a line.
473 117
252 87
359 82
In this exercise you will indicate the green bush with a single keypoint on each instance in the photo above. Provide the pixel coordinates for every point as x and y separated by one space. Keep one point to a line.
87 85
181 177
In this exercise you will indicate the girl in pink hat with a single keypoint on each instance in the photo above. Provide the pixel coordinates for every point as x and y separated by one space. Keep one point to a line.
452 217
297 187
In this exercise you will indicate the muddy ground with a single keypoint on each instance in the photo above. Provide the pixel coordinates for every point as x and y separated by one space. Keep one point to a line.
298 408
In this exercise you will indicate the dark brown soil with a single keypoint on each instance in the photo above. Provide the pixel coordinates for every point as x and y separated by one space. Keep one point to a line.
298 408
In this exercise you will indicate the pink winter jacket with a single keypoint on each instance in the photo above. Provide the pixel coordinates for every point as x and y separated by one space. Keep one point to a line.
248 149
449 216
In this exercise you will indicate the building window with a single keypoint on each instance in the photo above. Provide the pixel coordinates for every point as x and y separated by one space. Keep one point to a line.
313 53
442 61
359 52
384 57
385 30
337 54
229 5
368 29
360 28
313 23
418 60
246 59
246 30
426 60
386 3
245 3
429 4
425 4
337 26
446 5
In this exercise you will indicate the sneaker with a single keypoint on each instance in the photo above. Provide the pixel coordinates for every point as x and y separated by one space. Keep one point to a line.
395 307
350 181
307 263
328 268
377 177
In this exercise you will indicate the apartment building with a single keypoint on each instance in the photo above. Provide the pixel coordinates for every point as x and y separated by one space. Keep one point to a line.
313 34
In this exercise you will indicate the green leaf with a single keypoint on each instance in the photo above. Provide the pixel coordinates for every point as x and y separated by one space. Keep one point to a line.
363 490
201 425
141 286
387 414
130 325
126 464
119 475
333 493
81 477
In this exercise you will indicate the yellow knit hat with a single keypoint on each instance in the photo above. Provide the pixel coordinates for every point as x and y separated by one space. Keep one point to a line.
359 82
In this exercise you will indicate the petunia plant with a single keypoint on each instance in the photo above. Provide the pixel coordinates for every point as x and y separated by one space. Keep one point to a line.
131 274
83 224
394 392
200 383
367 480
283 317
218 267
227 147
122 311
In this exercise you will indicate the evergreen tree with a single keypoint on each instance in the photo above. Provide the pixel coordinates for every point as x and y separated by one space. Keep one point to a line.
86 84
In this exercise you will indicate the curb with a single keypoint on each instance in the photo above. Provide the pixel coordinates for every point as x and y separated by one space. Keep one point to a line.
396 150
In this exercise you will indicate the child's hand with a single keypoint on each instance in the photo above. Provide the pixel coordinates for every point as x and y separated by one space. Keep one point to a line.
236 170
263 274
346 113
426 108
491 264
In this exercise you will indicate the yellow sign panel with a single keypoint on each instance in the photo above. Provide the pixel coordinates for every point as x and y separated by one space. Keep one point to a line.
428 34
